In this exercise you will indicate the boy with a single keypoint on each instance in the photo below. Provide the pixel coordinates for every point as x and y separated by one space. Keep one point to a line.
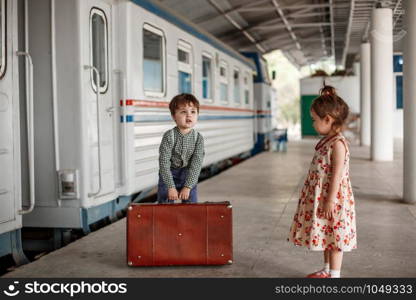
181 153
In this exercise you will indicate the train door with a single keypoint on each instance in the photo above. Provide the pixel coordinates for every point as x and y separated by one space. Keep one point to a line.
99 96
9 135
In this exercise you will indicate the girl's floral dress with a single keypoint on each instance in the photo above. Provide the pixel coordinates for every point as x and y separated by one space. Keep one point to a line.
317 233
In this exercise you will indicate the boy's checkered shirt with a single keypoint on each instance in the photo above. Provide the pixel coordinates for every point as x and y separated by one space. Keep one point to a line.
183 152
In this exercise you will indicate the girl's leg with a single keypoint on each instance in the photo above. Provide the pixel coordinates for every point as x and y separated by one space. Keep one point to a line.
326 256
335 262
323 273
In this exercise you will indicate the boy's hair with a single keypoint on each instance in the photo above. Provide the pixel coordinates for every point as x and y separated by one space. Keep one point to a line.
329 103
181 100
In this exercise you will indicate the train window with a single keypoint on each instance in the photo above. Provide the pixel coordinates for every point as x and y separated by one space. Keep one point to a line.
183 56
223 71
223 82
184 67
153 61
207 78
246 89
99 50
237 86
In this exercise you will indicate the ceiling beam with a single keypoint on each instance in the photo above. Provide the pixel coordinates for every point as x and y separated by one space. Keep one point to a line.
306 15
396 13
310 38
347 34
293 25
331 12
293 7
323 42
271 22
253 26
238 26
208 17
287 25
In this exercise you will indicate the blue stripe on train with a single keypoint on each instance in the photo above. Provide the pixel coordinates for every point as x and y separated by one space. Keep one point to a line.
130 118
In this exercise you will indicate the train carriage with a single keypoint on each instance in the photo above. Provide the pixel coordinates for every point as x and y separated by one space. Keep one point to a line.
11 210
264 102
102 76
109 69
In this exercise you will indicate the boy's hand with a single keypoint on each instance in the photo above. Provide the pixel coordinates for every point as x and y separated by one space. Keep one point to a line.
172 194
184 194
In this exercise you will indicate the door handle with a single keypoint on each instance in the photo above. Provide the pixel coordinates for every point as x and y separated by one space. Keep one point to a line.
30 135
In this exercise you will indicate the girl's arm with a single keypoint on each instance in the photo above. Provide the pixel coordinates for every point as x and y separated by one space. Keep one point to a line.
337 167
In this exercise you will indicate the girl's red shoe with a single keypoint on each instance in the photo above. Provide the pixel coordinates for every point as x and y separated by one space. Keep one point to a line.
319 274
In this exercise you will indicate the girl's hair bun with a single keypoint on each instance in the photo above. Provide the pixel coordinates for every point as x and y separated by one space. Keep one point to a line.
327 90
329 103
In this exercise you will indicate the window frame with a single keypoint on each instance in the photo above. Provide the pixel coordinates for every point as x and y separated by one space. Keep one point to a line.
398 72
186 67
399 100
246 87
211 76
102 89
158 31
237 69
224 80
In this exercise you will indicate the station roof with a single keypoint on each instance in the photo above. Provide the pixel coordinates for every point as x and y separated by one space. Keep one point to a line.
305 30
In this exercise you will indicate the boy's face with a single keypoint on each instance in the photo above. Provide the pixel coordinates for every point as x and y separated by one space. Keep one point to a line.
186 116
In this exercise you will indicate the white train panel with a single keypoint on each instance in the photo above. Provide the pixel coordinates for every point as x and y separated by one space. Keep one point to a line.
110 150
10 194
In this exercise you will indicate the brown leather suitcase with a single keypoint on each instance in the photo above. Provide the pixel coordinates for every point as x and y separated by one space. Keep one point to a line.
179 234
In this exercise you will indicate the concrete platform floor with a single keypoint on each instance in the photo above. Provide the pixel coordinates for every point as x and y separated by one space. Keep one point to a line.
263 191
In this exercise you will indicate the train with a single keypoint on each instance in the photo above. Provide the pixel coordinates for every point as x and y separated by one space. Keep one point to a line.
84 93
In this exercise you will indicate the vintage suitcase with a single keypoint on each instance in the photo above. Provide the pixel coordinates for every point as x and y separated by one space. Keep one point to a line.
179 234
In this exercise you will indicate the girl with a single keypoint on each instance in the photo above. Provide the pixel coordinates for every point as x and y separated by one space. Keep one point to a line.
325 216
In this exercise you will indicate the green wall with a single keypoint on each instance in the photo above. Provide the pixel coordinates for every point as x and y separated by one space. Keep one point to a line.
305 116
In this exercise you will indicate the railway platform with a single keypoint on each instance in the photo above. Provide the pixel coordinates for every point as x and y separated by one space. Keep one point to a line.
264 193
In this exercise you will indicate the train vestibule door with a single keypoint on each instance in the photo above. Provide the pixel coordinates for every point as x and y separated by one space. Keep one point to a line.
9 134
99 97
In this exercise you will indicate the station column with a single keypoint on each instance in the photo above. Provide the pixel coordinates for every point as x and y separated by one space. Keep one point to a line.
382 85
409 111
365 94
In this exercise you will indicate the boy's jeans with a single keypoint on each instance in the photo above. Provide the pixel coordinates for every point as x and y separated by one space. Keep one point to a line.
179 177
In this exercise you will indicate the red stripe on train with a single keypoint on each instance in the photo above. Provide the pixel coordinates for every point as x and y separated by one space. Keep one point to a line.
128 102
149 103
